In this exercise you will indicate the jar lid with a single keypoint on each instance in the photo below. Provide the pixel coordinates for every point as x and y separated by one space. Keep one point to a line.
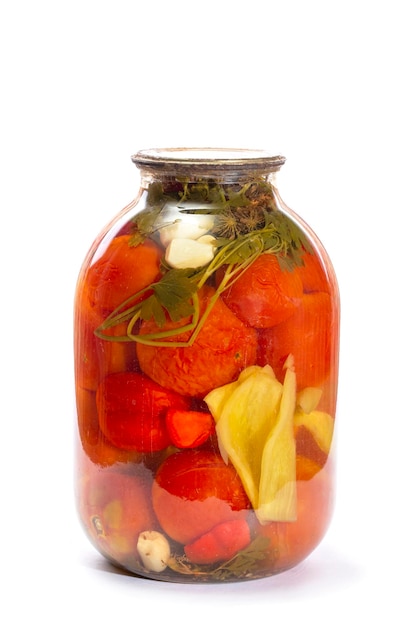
207 161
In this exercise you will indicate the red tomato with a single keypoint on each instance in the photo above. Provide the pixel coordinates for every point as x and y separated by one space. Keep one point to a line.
265 294
313 274
193 491
132 409
95 445
223 347
122 271
221 543
309 335
94 357
115 509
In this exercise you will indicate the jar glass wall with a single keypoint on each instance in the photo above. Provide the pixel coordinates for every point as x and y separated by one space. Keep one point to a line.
206 361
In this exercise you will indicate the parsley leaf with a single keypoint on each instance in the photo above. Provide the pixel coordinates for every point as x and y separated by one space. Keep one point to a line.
173 293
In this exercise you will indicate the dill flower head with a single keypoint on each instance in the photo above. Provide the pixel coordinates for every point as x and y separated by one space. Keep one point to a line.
235 221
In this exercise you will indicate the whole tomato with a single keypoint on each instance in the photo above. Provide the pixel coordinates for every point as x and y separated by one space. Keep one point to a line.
265 294
122 271
95 357
132 409
194 491
94 444
309 335
314 276
115 509
222 349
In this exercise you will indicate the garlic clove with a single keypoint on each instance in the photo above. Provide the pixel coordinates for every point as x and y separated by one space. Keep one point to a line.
188 253
154 550
207 239
188 226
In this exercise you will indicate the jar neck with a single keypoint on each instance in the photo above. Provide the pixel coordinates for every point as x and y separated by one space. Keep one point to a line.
192 165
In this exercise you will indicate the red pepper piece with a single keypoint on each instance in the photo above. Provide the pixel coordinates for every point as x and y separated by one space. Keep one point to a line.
221 543
189 429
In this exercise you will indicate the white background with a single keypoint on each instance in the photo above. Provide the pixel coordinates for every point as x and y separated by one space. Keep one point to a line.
331 85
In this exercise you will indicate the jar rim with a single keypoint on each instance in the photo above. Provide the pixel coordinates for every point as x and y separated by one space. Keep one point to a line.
203 160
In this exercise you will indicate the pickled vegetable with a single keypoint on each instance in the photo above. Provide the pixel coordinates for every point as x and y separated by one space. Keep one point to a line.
247 419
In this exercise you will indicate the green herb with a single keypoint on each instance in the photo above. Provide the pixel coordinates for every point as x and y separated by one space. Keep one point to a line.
292 236
203 191
144 225
246 225
173 293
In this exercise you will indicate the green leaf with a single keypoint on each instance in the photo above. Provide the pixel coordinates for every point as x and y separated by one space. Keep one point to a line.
174 292
249 247
237 199
152 309
155 194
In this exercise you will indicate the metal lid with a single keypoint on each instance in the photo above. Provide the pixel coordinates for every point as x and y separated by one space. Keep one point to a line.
207 161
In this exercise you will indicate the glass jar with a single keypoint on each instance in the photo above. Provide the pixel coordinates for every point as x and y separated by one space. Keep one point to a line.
206 365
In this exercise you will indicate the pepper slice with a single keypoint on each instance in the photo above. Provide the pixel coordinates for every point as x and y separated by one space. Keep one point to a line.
189 429
277 488
245 422
255 430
